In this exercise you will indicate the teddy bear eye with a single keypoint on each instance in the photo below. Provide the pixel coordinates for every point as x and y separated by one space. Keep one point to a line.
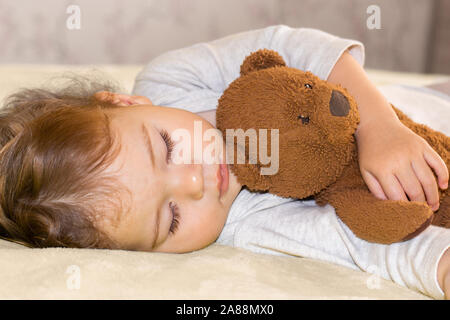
307 85
305 119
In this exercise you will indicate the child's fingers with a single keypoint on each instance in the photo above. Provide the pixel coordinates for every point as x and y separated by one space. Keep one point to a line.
141 100
392 188
114 98
104 95
435 161
121 100
387 187
428 181
128 100
411 184
373 185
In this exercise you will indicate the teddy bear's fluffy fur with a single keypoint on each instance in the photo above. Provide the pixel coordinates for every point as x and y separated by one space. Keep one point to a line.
317 149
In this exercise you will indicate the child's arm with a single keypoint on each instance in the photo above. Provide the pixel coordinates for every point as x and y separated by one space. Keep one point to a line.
194 78
394 161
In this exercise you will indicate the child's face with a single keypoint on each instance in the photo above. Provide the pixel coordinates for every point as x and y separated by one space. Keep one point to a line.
158 185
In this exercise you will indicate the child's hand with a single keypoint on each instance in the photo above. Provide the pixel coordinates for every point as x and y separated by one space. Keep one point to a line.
121 100
396 163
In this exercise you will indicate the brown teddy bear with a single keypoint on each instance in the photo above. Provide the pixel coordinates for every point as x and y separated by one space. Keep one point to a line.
317 153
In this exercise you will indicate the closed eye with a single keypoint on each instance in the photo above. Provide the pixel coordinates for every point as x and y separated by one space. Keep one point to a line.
169 144
175 218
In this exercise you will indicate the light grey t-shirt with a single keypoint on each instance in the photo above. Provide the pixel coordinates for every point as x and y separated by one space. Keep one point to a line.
195 77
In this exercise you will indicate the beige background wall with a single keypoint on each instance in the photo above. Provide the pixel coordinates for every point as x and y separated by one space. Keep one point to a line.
414 34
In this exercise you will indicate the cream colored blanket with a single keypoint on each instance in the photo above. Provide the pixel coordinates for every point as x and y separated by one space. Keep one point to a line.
217 272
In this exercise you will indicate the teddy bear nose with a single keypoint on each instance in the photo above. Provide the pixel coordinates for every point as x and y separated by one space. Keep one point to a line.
339 105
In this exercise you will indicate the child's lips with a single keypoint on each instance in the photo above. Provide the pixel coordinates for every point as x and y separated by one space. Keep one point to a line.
223 179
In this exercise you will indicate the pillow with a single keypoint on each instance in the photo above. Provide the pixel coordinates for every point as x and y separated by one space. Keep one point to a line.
216 272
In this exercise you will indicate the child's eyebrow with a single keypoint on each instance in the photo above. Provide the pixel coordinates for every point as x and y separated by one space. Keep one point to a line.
148 144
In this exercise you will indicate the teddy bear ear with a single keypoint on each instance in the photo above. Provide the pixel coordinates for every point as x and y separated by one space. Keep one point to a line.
261 59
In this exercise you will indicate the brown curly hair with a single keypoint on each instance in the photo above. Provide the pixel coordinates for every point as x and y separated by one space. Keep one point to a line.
54 147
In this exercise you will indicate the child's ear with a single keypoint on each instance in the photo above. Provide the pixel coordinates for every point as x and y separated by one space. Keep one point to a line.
121 100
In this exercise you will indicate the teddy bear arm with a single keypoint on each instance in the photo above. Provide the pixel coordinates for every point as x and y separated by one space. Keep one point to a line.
442 216
441 144
376 220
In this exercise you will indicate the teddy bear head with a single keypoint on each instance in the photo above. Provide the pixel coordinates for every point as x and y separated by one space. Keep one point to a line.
304 127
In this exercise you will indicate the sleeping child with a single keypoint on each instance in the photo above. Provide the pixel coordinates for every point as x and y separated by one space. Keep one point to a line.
89 167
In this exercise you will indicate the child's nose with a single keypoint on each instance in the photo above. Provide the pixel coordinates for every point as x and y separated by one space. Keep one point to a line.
186 180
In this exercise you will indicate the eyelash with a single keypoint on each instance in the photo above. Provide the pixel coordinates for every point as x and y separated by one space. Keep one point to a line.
175 218
173 207
169 143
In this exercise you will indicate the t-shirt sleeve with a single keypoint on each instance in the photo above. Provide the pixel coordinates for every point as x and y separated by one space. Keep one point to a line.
301 228
194 78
